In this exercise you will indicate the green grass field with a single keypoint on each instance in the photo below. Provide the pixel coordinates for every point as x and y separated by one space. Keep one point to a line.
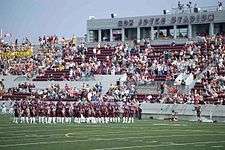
145 134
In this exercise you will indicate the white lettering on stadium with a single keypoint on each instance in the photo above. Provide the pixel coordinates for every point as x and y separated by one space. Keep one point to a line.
203 18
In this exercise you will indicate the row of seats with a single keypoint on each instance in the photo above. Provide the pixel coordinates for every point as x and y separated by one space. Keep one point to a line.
64 74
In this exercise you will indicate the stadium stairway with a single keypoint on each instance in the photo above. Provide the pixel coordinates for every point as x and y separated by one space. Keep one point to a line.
198 78
147 89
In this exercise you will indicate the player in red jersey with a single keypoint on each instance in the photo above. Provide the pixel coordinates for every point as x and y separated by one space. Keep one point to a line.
16 108
23 111
85 113
97 113
104 113
46 112
52 114
27 117
32 112
59 112
89 113
110 112
117 113
63 113
92 114
41 112
37 107
82 113
125 113
101 120
76 113
132 110
114 119
68 112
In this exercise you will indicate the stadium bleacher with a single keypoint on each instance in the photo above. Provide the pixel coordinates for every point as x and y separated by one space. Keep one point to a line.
143 63
138 82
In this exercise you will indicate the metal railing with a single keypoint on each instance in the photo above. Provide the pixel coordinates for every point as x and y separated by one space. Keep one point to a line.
191 10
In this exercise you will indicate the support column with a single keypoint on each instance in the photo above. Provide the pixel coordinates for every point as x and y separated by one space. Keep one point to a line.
111 35
1 34
211 29
157 32
88 36
152 33
189 31
99 35
123 35
138 34
175 32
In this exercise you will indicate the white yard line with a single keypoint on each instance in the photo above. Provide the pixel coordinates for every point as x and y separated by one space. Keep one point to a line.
92 133
167 124
103 139
85 129
200 145
217 146
47 129
70 135
138 132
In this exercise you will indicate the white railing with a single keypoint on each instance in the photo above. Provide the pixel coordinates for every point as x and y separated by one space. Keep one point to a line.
191 10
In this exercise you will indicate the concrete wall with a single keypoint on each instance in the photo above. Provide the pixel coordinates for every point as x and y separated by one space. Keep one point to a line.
182 109
106 80
95 24
154 42
185 111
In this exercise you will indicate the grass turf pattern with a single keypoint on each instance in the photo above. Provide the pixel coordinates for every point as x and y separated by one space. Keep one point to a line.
144 134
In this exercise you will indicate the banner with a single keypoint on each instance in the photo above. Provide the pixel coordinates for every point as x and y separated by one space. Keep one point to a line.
17 54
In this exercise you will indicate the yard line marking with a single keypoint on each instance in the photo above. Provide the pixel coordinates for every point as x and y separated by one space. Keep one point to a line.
90 132
161 145
200 145
50 129
164 124
160 136
101 139
96 133
161 124
41 136
217 146
128 132
67 135
109 133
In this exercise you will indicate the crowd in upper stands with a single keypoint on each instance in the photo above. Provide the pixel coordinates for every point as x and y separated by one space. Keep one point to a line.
60 59
210 88
12 61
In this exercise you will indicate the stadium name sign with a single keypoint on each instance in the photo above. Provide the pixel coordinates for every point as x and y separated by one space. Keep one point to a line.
160 21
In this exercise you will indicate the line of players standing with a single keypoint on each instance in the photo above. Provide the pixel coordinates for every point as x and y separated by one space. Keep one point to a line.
66 112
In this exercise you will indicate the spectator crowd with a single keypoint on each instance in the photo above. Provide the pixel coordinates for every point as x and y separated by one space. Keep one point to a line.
143 63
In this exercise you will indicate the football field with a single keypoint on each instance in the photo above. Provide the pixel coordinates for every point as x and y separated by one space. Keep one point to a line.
145 134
